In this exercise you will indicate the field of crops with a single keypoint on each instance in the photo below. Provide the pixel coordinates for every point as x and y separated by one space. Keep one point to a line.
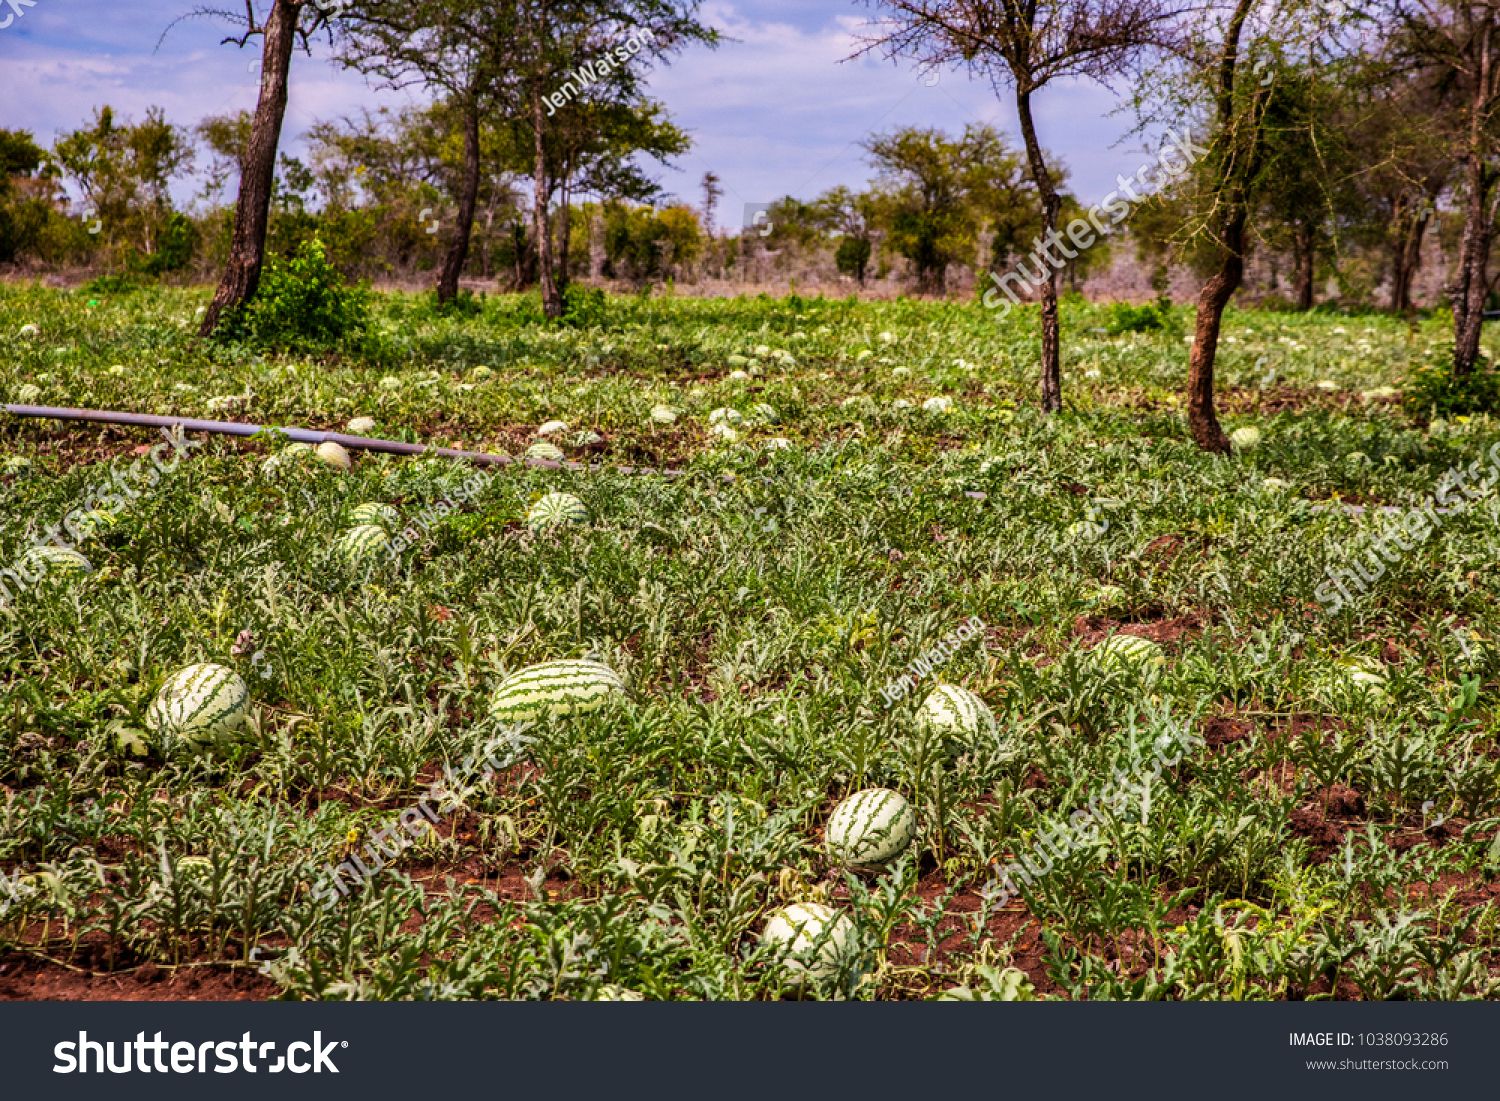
1322 821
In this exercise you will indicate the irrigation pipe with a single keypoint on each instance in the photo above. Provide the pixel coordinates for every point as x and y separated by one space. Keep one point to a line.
311 436
314 436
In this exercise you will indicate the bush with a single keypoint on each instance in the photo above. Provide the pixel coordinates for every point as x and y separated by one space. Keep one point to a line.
584 306
303 304
1431 389
1152 317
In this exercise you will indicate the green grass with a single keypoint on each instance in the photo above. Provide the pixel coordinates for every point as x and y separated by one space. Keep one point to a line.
756 619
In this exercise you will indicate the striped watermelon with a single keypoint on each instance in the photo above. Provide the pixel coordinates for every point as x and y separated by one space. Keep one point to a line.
814 941
376 513
1128 652
870 828
363 543
953 711
1245 439
199 705
762 413
554 509
555 688
55 562
549 452
333 454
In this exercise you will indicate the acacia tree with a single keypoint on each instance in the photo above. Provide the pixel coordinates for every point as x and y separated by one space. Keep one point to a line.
566 54
280 29
1456 43
1025 45
458 48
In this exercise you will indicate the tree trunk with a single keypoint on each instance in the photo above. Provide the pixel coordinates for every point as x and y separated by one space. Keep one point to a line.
1051 207
247 247
458 249
1306 256
1406 256
1203 422
564 233
1472 284
552 305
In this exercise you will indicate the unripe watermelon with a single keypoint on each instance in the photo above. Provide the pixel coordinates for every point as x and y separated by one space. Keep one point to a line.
200 705
549 452
334 455
1128 652
555 688
555 509
1245 439
956 712
377 513
870 828
815 941
363 543
1366 677
56 562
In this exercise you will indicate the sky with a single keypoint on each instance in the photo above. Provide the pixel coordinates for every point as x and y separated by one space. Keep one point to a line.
775 110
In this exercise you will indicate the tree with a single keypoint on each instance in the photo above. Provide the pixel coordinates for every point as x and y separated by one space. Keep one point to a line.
1025 46
713 191
458 48
279 30
1456 44
26 193
570 57
124 172
933 193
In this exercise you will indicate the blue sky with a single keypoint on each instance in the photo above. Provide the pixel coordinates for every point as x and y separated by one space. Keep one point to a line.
774 112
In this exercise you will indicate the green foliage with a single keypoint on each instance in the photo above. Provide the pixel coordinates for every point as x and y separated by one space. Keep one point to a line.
853 257
1123 317
583 306
1432 389
1295 852
302 304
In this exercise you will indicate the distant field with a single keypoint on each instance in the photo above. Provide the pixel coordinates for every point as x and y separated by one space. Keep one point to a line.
1328 829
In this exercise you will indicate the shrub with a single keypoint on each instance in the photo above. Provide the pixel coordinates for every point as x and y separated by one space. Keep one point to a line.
303 304
1431 389
1152 317
583 306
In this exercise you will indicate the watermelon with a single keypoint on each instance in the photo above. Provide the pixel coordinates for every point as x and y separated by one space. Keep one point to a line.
551 427
1366 677
27 393
663 414
481 372
55 562
360 426
1245 439
953 711
585 437
363 542
376 513
613 992
548 452
200 705
813 941
28 331
1128 652
869 828
725 415
739 375
333 454
555 509
725 432
761 413
938 405
555 688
